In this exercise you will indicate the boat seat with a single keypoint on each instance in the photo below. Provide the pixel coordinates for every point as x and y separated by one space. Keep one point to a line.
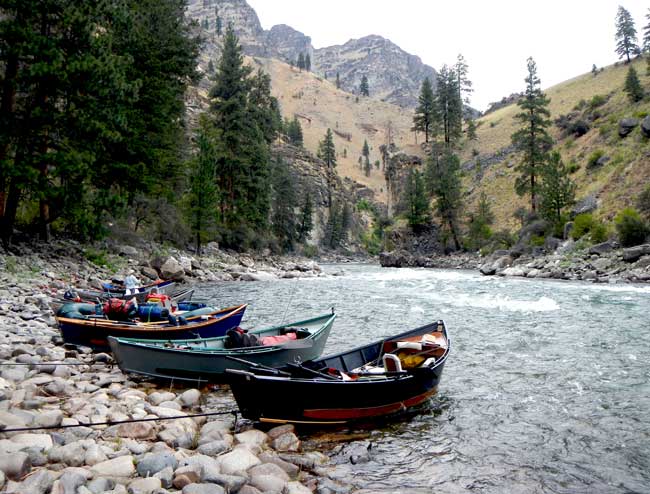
391 362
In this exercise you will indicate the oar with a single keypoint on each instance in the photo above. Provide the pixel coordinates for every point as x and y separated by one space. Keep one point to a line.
312 371
254 365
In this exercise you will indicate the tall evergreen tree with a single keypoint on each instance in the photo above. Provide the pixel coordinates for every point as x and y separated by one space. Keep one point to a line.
626 41
327 151
285 226
449 105
633 86
301 61
306 218
426 118
367 167
365 151
338 81
416 200
243 162
557 190
471 129
202 193
307 63
532 140
218 25
444 184
462 81
364 90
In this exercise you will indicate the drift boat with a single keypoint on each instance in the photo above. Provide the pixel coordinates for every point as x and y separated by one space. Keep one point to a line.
206 360
93 331
382 378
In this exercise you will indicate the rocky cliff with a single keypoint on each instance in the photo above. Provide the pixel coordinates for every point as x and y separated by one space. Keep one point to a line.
393 75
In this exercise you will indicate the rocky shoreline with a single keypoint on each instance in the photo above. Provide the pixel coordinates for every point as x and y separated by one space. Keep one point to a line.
601 263
46 385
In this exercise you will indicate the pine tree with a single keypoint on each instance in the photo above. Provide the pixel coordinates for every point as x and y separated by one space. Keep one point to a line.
626 41
338 81
367 167
557 190
633 86
364 90
301 61
365 151
462 81
306 220
308 63
444 184
294 132
449 106
218 25
471 130
243 132
202 193
327 151
532 140
416 200
479 223
206 24
284 221
425 118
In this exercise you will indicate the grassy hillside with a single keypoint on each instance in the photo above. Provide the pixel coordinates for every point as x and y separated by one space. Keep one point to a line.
319 105
616 184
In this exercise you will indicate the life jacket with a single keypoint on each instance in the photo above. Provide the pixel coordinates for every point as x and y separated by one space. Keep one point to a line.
120 310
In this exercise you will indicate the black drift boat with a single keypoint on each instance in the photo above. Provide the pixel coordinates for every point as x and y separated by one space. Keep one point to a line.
382 378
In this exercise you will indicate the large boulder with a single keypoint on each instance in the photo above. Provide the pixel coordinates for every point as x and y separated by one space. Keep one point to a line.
626 126
633 254
172 269
122 466
645 126
602 248
395 259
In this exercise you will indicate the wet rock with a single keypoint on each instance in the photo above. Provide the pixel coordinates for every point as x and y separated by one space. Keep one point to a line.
153 463
514 271
122 466
239 459
15 465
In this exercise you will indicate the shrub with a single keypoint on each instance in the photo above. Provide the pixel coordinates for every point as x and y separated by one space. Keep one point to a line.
582 225
597 100
592 161
310 250
580 105
572 167
537 240
631 228
364 205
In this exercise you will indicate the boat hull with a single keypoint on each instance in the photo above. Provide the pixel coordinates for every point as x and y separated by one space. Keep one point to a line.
94 333
310 394
209 366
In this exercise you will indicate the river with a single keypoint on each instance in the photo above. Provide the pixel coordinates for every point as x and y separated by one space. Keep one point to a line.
546 388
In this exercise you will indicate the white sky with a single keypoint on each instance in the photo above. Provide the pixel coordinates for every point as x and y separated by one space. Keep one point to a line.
565 37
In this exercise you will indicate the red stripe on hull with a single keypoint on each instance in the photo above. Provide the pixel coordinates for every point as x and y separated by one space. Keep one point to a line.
361 413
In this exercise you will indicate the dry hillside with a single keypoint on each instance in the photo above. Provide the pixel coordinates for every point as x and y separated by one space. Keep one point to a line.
319 106
615 184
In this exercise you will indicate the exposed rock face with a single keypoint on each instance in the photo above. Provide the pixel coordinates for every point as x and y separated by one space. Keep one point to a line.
393 75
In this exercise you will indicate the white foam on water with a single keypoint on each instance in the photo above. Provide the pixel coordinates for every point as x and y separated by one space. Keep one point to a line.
414 274
498 302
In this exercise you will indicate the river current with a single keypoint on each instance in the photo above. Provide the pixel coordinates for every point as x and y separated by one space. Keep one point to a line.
547 387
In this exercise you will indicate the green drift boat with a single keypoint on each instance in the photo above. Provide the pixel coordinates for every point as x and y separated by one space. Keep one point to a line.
206 360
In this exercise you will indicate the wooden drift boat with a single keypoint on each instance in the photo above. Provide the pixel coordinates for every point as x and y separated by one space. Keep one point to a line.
201 323
206 360
140 293
382 378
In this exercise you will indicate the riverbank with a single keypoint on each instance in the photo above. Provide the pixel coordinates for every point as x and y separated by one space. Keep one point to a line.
56 390
602 263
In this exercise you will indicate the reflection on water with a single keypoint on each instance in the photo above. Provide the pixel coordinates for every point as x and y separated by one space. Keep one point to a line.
546 390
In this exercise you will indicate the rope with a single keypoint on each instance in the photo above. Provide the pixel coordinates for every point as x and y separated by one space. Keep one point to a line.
293 291
116 422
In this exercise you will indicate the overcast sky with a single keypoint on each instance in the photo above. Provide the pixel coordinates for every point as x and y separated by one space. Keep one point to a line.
565 37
